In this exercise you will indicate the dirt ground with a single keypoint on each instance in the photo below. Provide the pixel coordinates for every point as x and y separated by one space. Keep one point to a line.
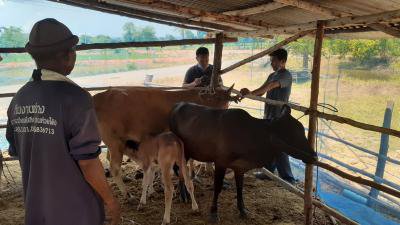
267 202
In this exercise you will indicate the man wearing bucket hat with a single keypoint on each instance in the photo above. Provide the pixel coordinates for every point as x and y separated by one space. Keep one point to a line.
52 129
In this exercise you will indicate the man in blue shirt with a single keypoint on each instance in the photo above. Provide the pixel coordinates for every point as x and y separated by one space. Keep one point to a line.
200 74
278 87
52 129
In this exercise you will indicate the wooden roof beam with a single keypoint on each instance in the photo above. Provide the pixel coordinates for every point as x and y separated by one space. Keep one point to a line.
316 8
330 23
255 10
148 16
385 29
191 13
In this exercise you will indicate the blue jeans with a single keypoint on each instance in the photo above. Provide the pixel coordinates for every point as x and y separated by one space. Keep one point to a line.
283 165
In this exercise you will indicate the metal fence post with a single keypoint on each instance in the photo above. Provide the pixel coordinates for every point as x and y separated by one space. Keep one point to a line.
383 150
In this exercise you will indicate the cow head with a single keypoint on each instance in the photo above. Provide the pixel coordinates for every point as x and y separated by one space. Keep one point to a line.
288 136
220 99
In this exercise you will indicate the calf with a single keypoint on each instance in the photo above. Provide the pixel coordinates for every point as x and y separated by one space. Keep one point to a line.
164 150
231 138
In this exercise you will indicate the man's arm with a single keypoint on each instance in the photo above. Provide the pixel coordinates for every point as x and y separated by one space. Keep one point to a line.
196 82
84 148
12 151
190 81
93 172
266 87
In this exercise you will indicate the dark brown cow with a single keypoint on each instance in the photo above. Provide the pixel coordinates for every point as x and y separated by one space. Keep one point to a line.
231 138
134 113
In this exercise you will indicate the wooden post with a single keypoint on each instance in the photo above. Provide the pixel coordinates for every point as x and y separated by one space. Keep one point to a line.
308 183
219 44
383 150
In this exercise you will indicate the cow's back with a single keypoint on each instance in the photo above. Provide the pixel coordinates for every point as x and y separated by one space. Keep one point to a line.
230 138
135 112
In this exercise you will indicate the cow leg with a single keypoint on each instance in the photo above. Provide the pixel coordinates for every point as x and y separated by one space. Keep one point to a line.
168 190
219 175
145 184
116 153
239 190
151 182
107 170
183 193
189 184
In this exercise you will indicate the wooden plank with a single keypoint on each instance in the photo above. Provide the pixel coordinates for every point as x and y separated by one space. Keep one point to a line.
359 180
312 125
174 9
132 44
336 118
255 10
265 52
313 7
315 202
330 23
385 29
219 44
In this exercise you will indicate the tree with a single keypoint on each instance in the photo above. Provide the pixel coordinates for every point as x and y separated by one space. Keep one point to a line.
129 31
169 37
304 47
85 39
201 34
102 39
189 34
12 37
147 34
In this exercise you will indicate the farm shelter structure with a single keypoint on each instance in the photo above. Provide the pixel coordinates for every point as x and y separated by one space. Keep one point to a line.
226 20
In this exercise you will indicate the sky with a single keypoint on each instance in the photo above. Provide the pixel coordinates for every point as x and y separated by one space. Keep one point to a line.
24 13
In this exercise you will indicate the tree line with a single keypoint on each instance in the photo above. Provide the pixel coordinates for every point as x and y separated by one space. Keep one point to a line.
361 51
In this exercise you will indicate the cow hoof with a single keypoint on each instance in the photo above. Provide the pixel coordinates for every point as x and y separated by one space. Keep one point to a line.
164 222
107 172
197 180
140 207
195 207
243 214
131 200
213 218
226 185
139 175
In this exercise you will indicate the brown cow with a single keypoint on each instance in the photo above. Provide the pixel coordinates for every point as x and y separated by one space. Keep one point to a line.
232 138
163 150
133 113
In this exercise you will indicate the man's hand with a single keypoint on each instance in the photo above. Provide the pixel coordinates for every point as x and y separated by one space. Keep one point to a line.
244 92
93 172
113 211
196 82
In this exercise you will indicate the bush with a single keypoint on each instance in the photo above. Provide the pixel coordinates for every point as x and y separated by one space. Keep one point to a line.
131 66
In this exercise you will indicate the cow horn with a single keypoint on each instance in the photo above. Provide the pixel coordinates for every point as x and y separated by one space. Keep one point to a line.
231 88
